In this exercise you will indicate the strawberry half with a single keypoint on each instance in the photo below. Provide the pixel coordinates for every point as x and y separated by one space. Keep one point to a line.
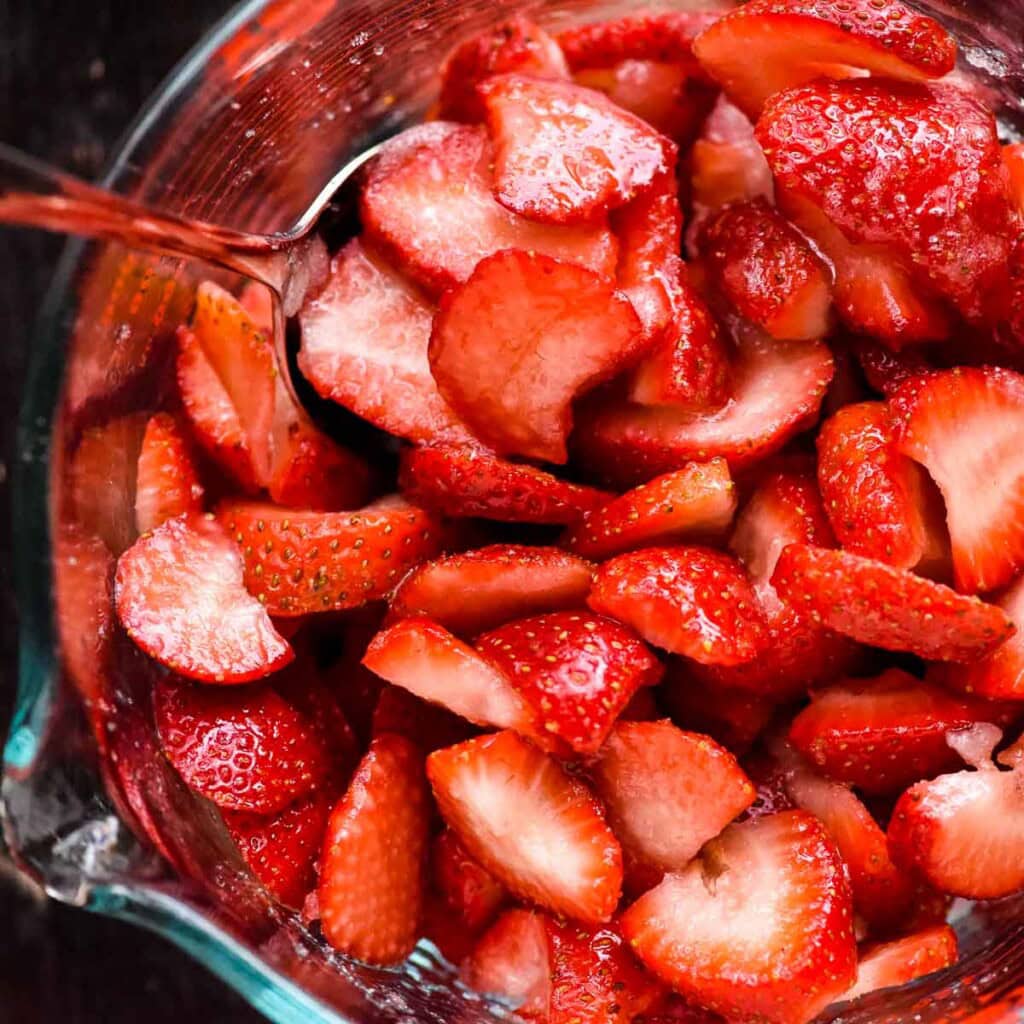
427 202
302 562
963 426
605 155
767 46
885 733
766 269
537 830
687 600
761 927
466 887
523 337
245 749
470 481
167 484
372 869
662 36
876 604
180 593
888 964
577 672
696 501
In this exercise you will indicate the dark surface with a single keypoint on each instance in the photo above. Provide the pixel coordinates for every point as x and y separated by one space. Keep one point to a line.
72 75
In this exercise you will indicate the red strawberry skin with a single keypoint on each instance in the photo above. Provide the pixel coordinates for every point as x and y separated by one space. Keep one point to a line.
167 484
429 726
887 964
662 36
467 888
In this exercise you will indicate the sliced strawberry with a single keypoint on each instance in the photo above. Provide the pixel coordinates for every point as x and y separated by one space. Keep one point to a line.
606 156
766 46
696 501
885 733
424 658
536 829
372 870
768 775
167 484
477 590
663 36
777 391
1013 157
700 789
886 369
873 603
281 849
471 893
181 597
245 749
258 302
727 163
470 481
525 335
888 964
302 562
687 600
761 927
427 201
577 672
964 426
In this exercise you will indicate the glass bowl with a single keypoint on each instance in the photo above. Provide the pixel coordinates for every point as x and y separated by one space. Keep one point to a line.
246 133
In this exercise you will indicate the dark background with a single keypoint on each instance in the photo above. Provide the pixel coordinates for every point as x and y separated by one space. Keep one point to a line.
72 75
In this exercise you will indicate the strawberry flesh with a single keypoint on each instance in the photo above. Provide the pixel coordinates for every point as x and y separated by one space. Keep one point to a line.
467 888
888 964
662 36
167 483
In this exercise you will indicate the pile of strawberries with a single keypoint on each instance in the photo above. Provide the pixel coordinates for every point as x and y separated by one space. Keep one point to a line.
681 676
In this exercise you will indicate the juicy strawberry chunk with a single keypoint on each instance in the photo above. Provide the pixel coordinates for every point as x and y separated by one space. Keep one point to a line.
477 590
1013 157
766 46
699 789
964 426
885 369
167 484
687 600
766 269
662 36
181 597
727 164
888 964
281 849
372 870
470 481
525 335
761 927
777 391
302 562
425 659
514 45
577 671
429 726
891 608
428 202
536 829
246 750
467 888
606 156
696 501
885 733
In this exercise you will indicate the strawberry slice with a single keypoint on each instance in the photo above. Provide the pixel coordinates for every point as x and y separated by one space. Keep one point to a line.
766 269
246 750
281 849
777 391
471 893
891 608
886 370
576 671
525 335
536 829
767 46
429 726
427 201
181 597
470 481
885 733
372 869
477 590
167 484
963 426
962 832
761 927
687 600
424 658
258 302
302 562
888 964
698 500
662 36
700 789
606 156
514 45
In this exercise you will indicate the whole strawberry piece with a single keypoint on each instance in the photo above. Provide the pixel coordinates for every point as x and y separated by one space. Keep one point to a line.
374 856
167 484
